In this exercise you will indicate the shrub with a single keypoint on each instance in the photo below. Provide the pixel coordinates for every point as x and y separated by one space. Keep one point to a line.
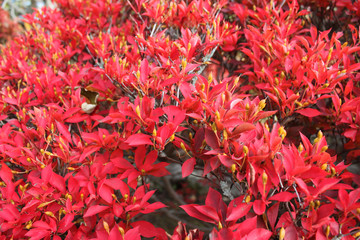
101 101
8 27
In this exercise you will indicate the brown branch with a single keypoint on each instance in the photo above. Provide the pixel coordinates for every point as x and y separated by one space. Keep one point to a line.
171 191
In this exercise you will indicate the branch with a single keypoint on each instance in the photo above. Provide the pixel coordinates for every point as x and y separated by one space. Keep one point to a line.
288 209
171 191
3 4
205 60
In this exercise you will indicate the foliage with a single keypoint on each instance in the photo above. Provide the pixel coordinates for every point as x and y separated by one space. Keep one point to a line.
100 99
8 27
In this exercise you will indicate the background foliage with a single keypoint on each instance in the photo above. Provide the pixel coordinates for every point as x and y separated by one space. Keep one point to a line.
180 120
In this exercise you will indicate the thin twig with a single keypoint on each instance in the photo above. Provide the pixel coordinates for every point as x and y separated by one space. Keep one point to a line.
288 209
139 15
110 25
177 95
171 191
297 194
153 30
205 60
115 83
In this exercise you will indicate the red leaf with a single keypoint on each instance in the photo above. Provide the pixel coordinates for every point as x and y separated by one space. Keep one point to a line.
56 237
223 234
5 173
105 193
325 184
243 127
118 184
88 151
272 214
225 160
170 81
95 210
139 139
188 167
36 233
320 235
63 130
291 233
193 212
115 233
273 97
144 70
266 114
238 212
132 234
66 223
41 224
70 112
259 233
73 185
302 185
46 173
175 114
283 197
208 211
12 101
213 199
211 139
148 230
121 163
152 207
351 133
58 182
9 213
309 112
247 226
78 117
259 207
288 64
146 197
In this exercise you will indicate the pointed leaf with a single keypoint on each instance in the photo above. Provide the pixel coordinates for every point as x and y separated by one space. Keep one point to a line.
213 198
238 212
243 128
147 229
139 139
115 233
58 182
193 212
211 139
309 112
64 131
132 234
46 173
259 234
5 173
66 223
208 211
95 210
247 226
283 197
259 207
272 214
188 167
105 193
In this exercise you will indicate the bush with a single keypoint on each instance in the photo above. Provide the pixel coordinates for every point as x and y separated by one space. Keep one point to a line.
103 101
8 27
